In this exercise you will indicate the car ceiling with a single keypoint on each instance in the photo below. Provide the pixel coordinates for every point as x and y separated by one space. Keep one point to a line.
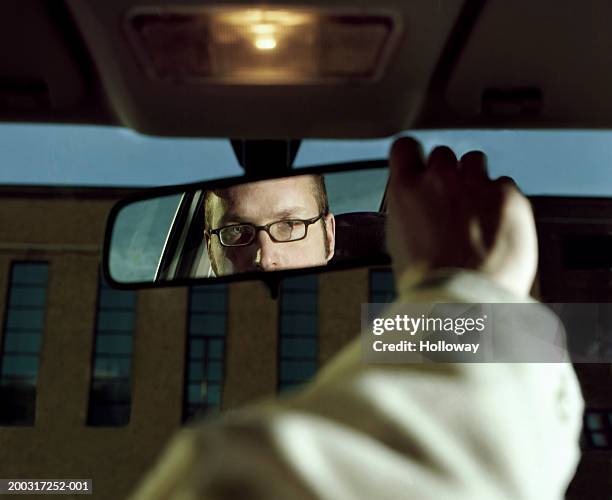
457 64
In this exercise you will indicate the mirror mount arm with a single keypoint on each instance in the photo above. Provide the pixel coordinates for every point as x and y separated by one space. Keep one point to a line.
265 158
273 283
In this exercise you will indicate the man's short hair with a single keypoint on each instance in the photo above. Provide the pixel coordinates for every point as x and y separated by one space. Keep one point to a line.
319 191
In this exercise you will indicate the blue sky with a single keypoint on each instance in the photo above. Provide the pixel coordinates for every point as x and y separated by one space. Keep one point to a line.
542 162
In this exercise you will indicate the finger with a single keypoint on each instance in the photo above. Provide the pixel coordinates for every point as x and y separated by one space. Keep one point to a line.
511 191
473 166
506 181
406 160
507 184
442 157
442 168
505 203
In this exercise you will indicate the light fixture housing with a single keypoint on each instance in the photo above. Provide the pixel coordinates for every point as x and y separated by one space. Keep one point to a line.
272 45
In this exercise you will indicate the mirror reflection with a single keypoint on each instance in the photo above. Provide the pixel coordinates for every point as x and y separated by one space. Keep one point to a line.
293 222
269 225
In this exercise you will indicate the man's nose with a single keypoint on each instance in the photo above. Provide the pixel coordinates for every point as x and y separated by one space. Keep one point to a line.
266 256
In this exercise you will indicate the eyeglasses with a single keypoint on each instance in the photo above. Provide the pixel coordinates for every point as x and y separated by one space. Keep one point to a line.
282 231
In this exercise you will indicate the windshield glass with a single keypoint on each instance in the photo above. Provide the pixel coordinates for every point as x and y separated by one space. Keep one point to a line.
567 163
572 163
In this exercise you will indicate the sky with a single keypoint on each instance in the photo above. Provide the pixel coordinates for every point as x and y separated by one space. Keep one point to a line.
542 162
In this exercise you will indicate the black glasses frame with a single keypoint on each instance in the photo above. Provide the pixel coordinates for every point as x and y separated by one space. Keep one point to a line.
266 228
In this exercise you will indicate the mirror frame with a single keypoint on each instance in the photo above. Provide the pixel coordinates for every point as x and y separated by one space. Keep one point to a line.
270 278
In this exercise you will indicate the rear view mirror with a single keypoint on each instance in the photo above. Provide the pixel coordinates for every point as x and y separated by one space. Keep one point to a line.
319 217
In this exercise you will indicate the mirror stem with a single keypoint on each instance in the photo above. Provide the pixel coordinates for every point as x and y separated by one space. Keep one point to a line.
273 283
262 158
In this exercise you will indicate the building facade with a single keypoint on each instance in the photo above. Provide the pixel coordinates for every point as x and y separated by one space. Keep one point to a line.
94 381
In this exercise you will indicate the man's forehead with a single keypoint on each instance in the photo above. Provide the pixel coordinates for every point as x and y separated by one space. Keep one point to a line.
277 197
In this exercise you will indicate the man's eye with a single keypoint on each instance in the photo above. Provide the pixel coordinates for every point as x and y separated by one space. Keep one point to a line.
233 235
286 227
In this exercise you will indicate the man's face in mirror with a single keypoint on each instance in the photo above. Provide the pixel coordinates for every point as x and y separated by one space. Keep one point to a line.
263 203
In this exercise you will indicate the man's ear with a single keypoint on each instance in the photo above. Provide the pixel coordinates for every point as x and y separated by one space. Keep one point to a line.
207 239
330 228
211 258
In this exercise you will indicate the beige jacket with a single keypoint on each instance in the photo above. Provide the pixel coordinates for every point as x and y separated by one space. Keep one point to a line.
410 431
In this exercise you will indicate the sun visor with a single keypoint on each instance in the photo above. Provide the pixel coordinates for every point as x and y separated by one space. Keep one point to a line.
533 64
274 70
37 72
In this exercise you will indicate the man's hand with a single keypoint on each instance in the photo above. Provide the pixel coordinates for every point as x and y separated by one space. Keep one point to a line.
448 213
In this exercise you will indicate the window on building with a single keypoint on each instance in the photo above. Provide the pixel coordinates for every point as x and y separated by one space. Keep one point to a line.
597 431
205 348
21 342
382 288
110 397
298 331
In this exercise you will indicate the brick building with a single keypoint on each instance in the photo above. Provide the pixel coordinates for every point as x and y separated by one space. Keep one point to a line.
94 381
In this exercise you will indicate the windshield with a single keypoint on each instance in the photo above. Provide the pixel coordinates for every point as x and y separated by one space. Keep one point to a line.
572 163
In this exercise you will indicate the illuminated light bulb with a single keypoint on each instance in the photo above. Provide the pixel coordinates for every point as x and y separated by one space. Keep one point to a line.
253 46
263 29
265 43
